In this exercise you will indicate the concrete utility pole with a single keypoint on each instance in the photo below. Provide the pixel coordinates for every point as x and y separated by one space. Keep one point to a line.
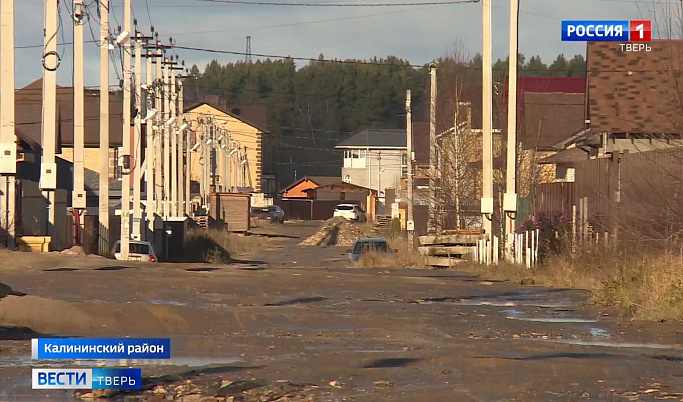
410 222
181 147
433 149
125 158
8 146
173 130
78 195
487 123
48 174
137 140
78 201
104 128
510 197
202 159
188 195
150 207
159 132
166 164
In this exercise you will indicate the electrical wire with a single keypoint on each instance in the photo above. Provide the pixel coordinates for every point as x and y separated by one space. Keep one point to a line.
286 4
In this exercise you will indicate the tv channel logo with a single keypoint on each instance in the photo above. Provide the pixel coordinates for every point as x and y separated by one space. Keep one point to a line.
600 31
114 378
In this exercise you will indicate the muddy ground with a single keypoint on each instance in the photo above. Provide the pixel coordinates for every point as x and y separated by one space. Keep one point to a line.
333 332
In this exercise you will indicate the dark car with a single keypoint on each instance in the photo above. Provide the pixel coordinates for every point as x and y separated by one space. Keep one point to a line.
369 245
277 215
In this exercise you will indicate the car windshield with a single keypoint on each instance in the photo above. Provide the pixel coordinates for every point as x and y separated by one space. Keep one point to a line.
135 248
344 207
370 246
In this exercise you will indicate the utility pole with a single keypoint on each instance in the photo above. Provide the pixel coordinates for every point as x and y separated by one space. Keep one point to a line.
137 139
150 207
433 149
410 222
173 131
487 123
188 179
104 129
8 139
166 164
159 132
48 174
510 197
125 158
78 201
202 160
181 152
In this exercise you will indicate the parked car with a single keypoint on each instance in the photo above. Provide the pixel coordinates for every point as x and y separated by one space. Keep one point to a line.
351 212
277 215
370 245
137 251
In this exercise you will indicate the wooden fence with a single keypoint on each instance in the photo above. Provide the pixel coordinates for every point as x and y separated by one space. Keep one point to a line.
632 196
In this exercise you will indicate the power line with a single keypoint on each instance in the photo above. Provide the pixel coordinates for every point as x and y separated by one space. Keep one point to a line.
268 3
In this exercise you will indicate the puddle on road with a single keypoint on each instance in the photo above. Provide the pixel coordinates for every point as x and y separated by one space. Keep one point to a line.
598 333
513 314
553 320
349 349
166 302
189 361
499 303
618 345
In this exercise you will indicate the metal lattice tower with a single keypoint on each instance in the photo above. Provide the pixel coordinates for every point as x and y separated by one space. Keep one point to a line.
247 57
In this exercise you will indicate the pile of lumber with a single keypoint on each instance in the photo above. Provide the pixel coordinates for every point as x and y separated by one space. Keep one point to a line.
449 249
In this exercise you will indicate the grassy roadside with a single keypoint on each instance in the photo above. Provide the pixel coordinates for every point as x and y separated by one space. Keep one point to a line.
645 286
219 246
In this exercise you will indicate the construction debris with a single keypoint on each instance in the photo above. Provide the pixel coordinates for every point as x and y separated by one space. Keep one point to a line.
339 232
447 250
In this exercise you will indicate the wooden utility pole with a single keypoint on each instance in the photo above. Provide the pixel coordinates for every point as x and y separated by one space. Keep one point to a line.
410 222
104 129
125 157
487 123
8 146
48 174
510 197
433 149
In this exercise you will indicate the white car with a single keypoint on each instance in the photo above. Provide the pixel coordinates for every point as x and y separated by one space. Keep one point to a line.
137 251
351 212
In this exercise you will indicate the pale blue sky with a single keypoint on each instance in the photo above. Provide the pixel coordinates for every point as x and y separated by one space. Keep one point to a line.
418 34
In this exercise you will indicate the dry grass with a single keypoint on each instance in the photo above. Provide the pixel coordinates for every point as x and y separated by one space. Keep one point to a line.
645 286
218 246
404 257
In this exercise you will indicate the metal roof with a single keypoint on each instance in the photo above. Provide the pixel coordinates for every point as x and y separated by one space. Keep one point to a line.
377 138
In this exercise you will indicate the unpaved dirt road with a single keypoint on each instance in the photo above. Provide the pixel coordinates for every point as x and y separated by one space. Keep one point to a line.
300 314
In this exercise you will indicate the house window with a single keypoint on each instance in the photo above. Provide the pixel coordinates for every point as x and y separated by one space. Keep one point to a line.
404 165
354 158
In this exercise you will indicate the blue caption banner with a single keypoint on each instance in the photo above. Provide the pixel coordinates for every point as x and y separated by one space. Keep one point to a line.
128 378
581 31
100 349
